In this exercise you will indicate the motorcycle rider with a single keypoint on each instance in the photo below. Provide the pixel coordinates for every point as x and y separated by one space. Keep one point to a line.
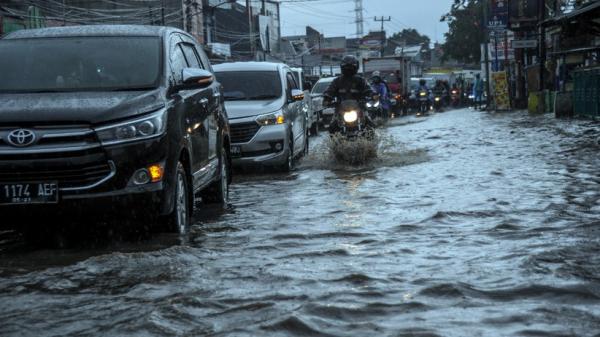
423 87
347 86
381 89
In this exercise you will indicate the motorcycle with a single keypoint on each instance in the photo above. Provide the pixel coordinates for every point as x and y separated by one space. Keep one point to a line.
402 104
454 98
353 120
438 101
375 110
423 103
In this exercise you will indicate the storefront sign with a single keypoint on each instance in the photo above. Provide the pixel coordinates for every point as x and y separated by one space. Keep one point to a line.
524 44
500 85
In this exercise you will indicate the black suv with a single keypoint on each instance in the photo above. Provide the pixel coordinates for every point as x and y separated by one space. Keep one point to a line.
107 117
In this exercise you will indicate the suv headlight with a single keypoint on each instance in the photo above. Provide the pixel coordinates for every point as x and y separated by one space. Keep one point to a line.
271 119
146 127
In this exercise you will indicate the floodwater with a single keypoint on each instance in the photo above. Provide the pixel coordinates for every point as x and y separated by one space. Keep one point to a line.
468 224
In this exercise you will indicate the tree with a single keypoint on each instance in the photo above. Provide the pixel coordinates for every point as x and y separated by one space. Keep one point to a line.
465 31
411 37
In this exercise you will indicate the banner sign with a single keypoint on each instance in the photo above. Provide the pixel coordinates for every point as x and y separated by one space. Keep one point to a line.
500 85
523 13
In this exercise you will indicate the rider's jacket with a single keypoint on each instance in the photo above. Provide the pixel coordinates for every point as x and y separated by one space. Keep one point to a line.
348 87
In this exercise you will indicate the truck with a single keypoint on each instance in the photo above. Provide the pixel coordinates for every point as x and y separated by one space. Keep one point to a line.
394 71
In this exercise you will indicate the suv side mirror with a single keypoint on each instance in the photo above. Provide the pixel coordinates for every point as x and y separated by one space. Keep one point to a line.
297 95
194 78
197 78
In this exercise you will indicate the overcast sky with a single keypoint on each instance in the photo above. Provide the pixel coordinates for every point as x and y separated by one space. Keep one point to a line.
336 17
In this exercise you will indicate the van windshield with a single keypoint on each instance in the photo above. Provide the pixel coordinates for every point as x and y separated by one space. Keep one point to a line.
79 64
250 85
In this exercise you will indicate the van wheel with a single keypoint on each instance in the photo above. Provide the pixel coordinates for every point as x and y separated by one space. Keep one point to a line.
218 192
180 218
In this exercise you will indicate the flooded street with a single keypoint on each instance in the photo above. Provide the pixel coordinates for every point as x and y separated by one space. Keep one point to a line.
469 224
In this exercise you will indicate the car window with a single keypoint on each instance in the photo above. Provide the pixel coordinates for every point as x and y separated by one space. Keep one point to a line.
250 85
190 55
178 62
320 87
291 82
203 59
80 64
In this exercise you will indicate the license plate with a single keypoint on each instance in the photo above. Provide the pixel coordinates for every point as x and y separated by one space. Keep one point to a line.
236 151
28 193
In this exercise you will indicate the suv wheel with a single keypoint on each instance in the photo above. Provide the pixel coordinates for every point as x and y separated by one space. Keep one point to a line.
314 128
306 145
180 218
289 163
218 192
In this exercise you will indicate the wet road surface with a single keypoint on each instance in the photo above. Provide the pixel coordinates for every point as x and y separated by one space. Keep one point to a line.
469 224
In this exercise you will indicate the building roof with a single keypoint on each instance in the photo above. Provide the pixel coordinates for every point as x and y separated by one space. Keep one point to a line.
248 66
91 30
590 8
409 51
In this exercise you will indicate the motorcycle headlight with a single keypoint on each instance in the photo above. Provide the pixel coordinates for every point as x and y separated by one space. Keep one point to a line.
146 127
422 93
372 104
350 116
437 99
271 119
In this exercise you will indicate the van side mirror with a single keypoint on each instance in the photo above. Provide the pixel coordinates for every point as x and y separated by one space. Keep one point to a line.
297 95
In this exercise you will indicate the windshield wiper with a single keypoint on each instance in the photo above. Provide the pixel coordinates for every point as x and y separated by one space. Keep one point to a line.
234 98
261 97
133 89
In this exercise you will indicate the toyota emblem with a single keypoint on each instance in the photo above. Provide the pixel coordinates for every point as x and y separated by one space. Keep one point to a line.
21 137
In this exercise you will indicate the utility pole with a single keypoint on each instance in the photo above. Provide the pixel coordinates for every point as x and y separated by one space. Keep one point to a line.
162 12
486 57
358 8
382 20
250 29
541 42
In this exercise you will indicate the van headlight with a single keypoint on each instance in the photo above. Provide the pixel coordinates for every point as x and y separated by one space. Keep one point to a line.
146 127
350 116
271 119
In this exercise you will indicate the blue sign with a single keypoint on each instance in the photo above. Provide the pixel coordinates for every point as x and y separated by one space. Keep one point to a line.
499 14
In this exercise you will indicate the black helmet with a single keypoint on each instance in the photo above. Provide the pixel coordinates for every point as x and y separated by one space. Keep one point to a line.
422 82
349 65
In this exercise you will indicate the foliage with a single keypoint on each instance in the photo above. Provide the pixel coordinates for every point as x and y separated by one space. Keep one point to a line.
465 31
412 37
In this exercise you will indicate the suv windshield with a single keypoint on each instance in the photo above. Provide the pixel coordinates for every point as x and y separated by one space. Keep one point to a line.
250 85
79 64
320 87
